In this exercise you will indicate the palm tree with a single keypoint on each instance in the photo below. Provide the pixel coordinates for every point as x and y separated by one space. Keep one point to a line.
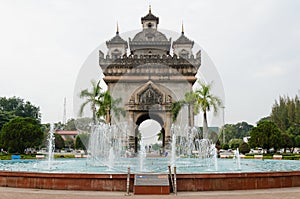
107 104
190 99
91 98
175 109
206 101
160 135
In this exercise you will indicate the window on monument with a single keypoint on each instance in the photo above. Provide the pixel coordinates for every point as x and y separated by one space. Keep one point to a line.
184 54
150 25
116 54
149 131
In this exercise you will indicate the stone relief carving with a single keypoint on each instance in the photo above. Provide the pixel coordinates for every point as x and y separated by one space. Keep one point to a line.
150 96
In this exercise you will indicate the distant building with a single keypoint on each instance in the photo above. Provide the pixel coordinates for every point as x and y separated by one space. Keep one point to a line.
67 134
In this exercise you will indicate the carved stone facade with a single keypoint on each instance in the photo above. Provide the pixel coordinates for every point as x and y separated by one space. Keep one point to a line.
150 78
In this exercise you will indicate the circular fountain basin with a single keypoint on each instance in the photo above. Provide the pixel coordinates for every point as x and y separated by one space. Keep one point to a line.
193 174
151 165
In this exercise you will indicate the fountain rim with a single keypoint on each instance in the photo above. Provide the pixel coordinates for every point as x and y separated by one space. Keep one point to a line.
116 182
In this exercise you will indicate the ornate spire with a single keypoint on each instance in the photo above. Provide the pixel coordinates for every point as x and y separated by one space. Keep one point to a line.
150 16
117 39
117 28
183 39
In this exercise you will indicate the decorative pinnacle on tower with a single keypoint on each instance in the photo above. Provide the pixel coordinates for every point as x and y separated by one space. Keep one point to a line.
117 28
182 28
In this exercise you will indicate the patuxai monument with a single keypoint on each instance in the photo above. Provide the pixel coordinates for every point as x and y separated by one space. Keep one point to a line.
149 73
149 104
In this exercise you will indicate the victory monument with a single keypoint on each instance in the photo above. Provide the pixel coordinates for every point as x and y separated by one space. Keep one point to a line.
149 73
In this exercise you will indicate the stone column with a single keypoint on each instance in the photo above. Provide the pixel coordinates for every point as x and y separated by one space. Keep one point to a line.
167 127
132 127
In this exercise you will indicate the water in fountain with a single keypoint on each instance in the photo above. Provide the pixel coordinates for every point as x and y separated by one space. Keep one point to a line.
142 155
111 158
108 146
50 146
105 145
189 145
215 156
238 158
109 143
173 149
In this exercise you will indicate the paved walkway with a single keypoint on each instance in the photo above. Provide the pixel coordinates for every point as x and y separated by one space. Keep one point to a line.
16 193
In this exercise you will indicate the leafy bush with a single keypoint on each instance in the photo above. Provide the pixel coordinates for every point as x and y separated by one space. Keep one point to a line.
244 148
64 156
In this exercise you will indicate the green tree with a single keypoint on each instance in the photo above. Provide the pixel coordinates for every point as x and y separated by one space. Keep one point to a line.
160 135
236 131
286 115
243 129
175 109
297 141
83 124
207 101
58 126
190 99
79 143
92 98
279 114
297 110
107 105
266 135
288 141
244 148
18 107
59 141
235 143
267 118
5 117
69 142
21 133
225 146
70 125
156 146
230 132
286 112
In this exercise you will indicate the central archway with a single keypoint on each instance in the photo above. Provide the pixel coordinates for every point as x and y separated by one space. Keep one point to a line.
150 132
148 117
150 101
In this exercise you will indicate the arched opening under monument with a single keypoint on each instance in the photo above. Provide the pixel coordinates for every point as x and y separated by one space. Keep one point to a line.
148 126
149 131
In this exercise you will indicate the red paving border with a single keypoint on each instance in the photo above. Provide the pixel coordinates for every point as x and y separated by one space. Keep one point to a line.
117 182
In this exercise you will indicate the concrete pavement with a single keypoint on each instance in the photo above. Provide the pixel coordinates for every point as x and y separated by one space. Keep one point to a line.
17 193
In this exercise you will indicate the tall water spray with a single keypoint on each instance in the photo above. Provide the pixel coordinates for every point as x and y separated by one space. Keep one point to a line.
50 145
142 154
215 156
105 145
173 149
238 158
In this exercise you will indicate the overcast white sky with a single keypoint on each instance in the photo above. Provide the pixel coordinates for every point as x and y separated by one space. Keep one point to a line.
255 45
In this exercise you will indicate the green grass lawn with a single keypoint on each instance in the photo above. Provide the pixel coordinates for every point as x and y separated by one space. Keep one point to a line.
32 156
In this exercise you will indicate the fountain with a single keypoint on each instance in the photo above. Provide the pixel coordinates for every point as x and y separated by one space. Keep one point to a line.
142 155
195 159
173 147
238 158
50 146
